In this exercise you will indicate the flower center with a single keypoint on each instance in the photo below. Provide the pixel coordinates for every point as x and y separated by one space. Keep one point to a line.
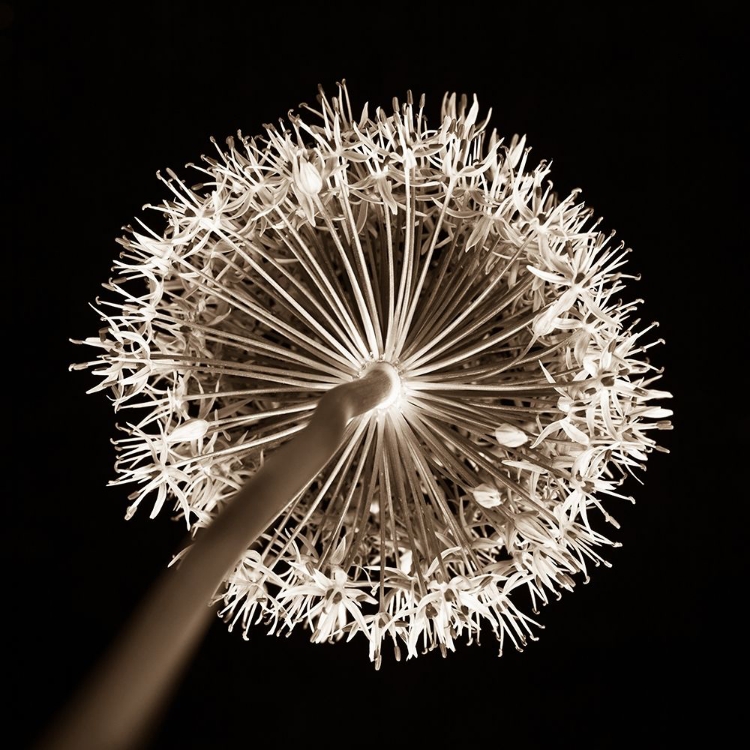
396 389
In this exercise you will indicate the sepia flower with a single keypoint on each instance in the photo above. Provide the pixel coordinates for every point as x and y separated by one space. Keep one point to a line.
293 261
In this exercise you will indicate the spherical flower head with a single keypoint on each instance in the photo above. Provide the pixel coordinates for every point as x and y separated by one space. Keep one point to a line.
523 394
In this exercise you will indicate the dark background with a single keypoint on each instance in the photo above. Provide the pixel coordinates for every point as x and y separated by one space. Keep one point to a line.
641 112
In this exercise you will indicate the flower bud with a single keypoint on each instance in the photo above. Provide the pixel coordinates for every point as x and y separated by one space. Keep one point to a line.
309 180
190 430
510 436
487 496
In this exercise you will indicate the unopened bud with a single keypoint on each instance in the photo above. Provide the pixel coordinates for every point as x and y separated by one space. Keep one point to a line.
310 181
190 430
487 496
510 436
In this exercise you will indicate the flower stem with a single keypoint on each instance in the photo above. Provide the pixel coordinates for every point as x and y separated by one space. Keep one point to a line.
120 704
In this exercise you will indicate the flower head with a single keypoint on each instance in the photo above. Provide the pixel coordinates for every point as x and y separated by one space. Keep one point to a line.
306 255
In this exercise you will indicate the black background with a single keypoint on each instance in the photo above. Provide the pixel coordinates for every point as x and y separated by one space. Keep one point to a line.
641 112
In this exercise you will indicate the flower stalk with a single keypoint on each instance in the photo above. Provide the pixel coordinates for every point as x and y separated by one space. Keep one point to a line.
125 695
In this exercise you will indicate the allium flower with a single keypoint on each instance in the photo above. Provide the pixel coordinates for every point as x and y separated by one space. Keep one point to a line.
306 255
